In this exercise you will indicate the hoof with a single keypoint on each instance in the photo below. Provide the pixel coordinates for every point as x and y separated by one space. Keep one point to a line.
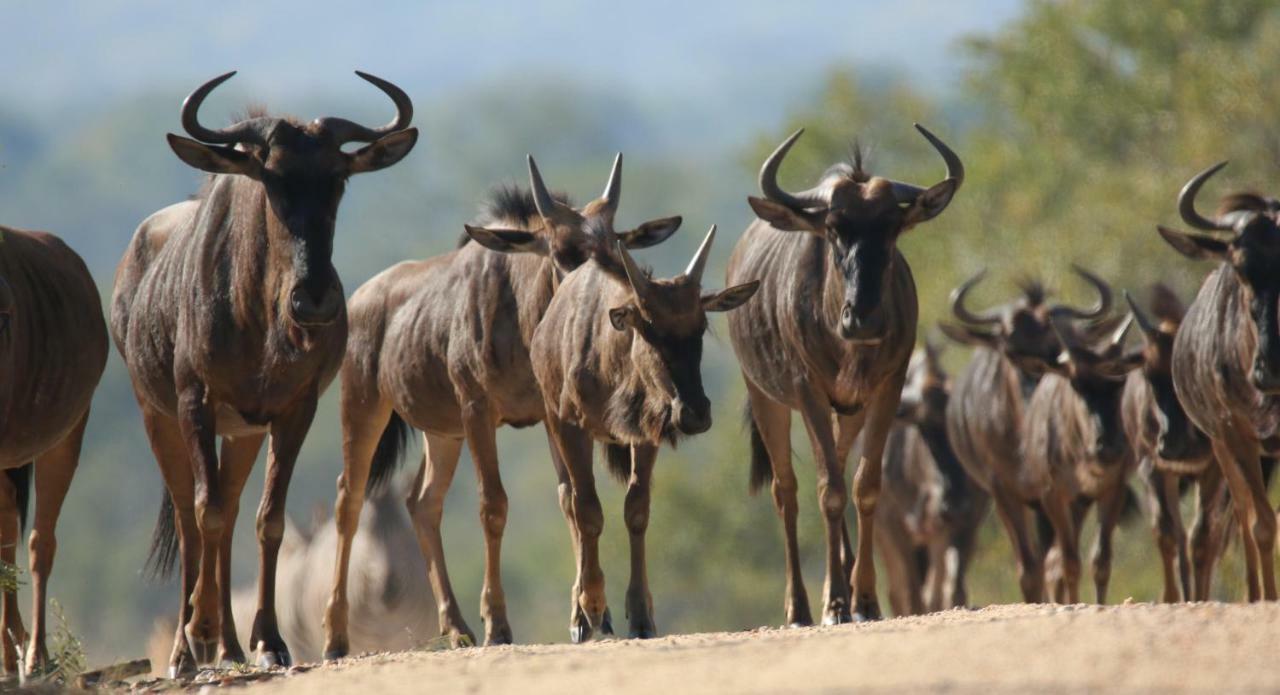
606 624
838 618
203 651
797 625
498 636
271 658
579 633
868 613
642 632
334 654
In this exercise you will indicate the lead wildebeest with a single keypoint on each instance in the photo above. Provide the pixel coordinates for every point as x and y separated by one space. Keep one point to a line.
1013 346
1226 356
830 336
230 316
929 513
53 348
1074 446
443 345
618 360
1170 449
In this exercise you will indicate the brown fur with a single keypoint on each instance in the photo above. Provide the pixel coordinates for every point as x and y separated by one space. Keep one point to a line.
53 349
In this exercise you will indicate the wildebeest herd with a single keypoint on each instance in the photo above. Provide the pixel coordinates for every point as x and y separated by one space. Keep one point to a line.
230 316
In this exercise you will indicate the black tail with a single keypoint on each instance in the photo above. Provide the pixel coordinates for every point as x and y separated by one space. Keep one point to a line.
390 451
1132 508
20 478
164 543
617 458
761 465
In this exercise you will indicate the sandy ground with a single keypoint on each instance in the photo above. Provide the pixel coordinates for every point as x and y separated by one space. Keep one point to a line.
1136 647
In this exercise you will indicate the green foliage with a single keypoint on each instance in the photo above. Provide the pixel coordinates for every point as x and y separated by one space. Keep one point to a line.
10 577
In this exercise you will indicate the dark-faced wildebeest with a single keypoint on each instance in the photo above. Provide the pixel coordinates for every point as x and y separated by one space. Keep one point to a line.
53 348
443 345
1074 447
1013 346
1170 449
830 336
929 512
1226 356
230 316
618 360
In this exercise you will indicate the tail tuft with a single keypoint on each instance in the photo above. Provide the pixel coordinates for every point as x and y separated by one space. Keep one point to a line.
163 557
389 454
761 464
20 478
617 458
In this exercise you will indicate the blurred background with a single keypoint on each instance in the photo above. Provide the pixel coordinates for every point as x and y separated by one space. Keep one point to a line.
1078 121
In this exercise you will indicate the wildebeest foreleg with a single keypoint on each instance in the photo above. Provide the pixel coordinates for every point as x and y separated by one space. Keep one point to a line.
480 432
847 429
15 635
426 508
901 571
1209 531
238 457
1057 507
636 513
1242 501
866 493
773 420
196 420
588 601
364 418
1109 508
1013 514
1171 538
287 435
833 499
53 473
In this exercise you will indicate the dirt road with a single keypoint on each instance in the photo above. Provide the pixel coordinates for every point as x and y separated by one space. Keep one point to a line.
1006 648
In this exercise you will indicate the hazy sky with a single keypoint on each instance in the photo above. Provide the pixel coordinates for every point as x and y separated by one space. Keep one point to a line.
57 51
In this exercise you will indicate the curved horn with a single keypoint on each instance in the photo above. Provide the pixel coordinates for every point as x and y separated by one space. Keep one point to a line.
699 262
1144 321
907 193
958 307
635 276
244 131
345 131
613 189
1117 338
1187 202
541 196
769 180
1098 310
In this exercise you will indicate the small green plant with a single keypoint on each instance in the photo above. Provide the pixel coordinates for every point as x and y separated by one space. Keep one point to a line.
10 577
66 653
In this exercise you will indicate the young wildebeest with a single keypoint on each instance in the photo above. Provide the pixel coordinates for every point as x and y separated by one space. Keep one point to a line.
1074 447
53 348
442 345
1226 356
831 337
618 360
1170 449
1013 346
230 316
928 517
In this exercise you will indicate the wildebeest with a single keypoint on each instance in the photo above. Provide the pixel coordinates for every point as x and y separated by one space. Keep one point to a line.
1169 449
443 345
830 336
53 349
930 511
1013 346
1074 447
618 360
230 316
1226 356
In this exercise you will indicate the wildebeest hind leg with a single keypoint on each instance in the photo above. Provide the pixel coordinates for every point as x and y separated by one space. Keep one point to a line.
198 426
1209 530
1109 508
588 595
1170 536
15 635
636 513
53 473
238 457
1013 515
426 509
773 420
478 425
287 435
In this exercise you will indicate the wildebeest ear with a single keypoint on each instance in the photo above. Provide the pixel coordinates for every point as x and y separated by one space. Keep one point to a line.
1119 367
214 159
651 233
1194 246
781 216
622 316
383 152
932 202
968 336
730 297
507 240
